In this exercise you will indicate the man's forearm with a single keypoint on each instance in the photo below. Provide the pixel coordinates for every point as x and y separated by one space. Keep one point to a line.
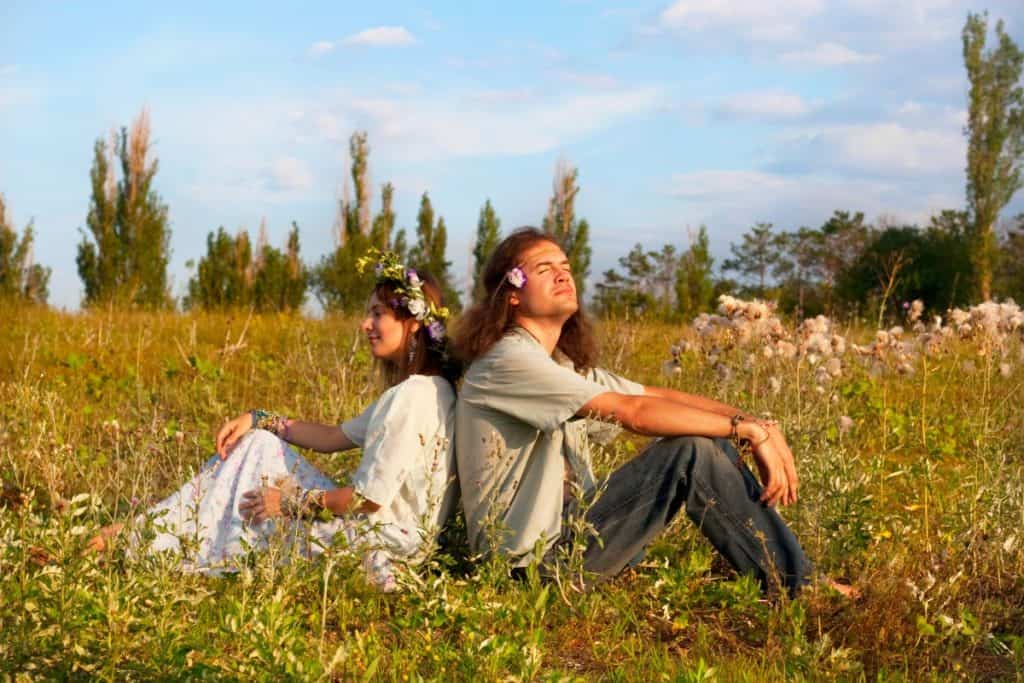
694 401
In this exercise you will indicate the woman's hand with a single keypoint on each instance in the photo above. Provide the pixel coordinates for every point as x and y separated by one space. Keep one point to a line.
231 432
774 461
259 505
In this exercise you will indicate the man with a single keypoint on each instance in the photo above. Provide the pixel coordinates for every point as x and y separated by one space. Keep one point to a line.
522 447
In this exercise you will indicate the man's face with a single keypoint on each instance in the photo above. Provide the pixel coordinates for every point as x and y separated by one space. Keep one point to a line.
550 291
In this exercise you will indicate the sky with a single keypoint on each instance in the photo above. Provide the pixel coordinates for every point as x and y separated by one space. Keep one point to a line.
677 114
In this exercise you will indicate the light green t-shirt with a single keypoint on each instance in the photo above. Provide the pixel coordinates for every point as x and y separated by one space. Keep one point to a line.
517 435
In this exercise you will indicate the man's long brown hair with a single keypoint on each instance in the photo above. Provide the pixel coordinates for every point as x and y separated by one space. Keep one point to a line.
490 317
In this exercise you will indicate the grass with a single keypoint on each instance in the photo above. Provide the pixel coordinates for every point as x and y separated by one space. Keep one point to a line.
920 503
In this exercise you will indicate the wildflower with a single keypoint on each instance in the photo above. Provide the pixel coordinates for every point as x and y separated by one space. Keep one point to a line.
416 307
1004 369
436 330
516 277
845 424
774 384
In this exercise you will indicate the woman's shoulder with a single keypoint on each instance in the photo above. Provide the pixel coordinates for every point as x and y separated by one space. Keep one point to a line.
417 388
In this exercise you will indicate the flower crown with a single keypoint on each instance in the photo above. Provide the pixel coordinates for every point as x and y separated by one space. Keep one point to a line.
408 287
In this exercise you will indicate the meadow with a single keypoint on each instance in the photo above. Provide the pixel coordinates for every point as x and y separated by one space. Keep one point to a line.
908 445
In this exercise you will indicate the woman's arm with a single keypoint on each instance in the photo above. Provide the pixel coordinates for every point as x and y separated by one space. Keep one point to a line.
262 504
654 415
317 437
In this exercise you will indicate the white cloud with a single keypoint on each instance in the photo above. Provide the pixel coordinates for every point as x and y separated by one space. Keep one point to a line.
595 81
756 19
732 200
769 104
828 54
891 148
381 36
320 47
481 123
289 174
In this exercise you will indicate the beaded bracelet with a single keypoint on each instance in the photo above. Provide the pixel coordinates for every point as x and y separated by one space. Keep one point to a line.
272 422
307 504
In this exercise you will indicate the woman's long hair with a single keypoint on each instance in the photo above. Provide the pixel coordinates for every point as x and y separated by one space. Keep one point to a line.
428 357
492 316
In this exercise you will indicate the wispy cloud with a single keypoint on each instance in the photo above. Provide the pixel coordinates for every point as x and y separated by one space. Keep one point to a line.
381 36
828 54
321 47
290 174
764 105
772 21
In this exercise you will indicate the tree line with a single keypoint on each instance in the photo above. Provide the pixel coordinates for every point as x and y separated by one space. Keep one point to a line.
843 265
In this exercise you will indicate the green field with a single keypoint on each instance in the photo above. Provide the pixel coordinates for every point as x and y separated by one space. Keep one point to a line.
912 487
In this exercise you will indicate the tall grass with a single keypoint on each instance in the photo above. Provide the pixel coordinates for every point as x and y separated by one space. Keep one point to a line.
912 487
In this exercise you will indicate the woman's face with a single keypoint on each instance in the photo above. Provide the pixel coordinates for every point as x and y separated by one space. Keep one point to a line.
384 331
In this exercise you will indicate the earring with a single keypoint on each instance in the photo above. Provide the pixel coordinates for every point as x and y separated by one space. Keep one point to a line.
412 350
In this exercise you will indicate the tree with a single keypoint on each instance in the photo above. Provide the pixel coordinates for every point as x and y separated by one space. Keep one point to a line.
336 281
664 265
20 278
1009 277
429 251
488 234
631 291
281 281
694 284
561 223
230 275
802 268
126 259
995 137
224 275
845 236
758 256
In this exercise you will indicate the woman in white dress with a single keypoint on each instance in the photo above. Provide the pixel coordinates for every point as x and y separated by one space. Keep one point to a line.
401 494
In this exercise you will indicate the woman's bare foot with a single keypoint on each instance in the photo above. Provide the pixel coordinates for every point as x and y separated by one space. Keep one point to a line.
100 543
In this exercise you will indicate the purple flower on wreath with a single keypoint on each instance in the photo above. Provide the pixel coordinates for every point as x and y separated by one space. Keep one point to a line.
906 305
413 277
378 269
395 303
436 330
516 277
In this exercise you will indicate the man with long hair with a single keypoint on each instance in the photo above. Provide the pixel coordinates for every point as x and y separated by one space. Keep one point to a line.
522 447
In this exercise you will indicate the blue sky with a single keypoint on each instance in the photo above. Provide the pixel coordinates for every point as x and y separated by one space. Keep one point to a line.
677 114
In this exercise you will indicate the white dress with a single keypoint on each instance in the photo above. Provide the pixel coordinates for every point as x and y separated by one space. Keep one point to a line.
407 468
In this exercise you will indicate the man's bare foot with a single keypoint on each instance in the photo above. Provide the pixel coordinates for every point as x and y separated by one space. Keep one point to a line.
100 543
844 589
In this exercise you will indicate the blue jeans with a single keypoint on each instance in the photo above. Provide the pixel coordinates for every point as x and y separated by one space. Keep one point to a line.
720 496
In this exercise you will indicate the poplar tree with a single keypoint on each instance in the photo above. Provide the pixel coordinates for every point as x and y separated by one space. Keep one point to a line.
572 234
995 137
20 278
488 234
126 258
430 248
336 281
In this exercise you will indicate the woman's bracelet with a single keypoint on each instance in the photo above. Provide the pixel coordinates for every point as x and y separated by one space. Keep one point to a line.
272 422
306 504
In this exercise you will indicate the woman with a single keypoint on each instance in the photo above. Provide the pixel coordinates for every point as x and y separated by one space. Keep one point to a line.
403 490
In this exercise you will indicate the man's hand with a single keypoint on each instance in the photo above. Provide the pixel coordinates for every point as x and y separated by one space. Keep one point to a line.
259 505
231 432
775 463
